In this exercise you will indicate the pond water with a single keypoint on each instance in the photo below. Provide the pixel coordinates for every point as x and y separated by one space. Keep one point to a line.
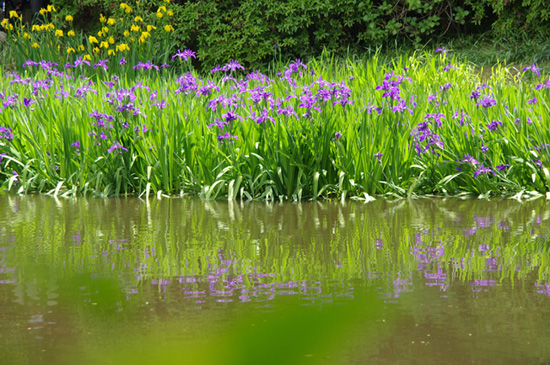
94 281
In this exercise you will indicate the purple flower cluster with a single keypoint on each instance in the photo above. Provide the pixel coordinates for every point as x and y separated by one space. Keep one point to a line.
6 133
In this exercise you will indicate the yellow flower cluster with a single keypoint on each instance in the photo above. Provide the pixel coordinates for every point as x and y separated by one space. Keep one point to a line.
116 36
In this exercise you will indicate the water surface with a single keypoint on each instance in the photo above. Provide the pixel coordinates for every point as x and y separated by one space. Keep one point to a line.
188 281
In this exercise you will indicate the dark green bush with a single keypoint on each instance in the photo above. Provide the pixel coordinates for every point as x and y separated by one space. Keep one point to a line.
254 31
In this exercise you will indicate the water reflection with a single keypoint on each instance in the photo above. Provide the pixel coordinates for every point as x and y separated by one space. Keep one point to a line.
63 257
244 252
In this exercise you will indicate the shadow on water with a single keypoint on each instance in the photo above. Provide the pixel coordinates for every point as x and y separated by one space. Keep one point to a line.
186 281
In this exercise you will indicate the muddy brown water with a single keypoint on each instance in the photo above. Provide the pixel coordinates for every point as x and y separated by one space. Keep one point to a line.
94 281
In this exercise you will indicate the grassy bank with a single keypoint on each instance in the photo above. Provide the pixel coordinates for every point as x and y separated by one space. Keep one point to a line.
424 124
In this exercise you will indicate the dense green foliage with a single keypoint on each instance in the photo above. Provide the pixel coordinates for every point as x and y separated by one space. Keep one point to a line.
426 124
255 31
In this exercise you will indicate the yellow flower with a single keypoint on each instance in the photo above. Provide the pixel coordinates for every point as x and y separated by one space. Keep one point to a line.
96 50
51 8
87 57
102 18
135 28
159 14
122 47
168 28
111 40
111 52
170 12
43 11
126 33
145 35
26 35
13 14
59 33
132 39
151 27
5 22
70 50
167 1
105 30
93 39
128 10
123 5
49 26
70 33
138 19
34 45
69 18
111 21
35 27
81 48
104 44
163 8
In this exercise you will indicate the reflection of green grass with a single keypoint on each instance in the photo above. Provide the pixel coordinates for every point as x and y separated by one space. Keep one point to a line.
291 334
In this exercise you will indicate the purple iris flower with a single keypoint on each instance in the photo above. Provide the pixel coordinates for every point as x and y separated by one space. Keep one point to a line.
483 170
532 68
232 66
117 146
448 67
122 61
79 61
502 167
379 156
185 54
102 63
337 136
469 159
487 102
494 125
6 133
227 137
28 102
